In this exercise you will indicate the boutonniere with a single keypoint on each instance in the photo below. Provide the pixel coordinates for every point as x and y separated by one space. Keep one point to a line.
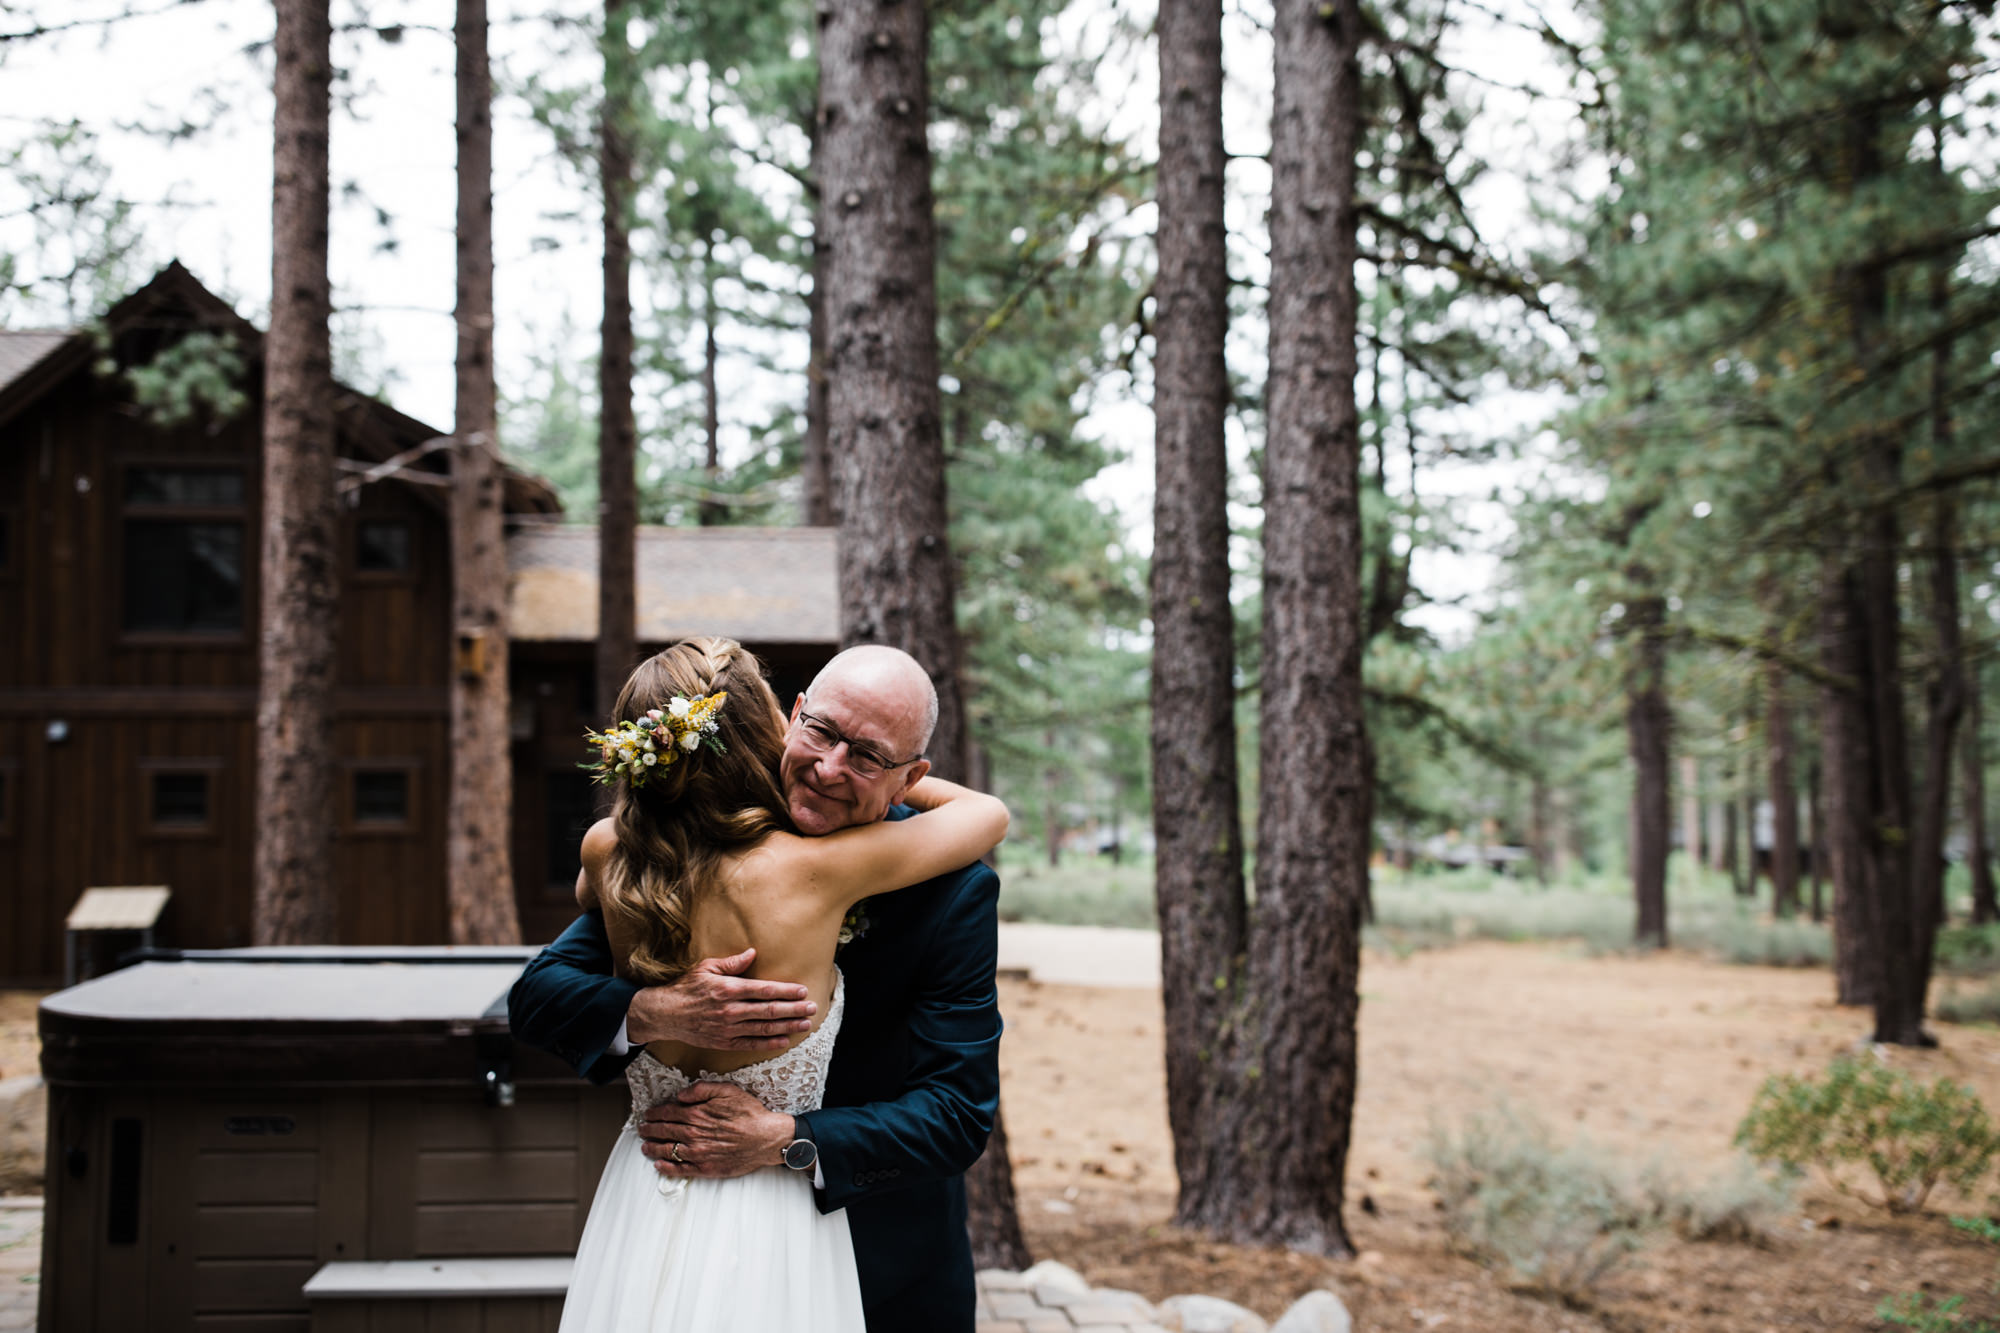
854 925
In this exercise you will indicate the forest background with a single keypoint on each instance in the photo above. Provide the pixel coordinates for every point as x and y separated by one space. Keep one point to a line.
1683 323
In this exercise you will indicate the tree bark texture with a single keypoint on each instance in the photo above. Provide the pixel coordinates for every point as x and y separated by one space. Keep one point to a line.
1198 880
1978 852
884 422
815 463
1691 830
1783 794
1816 845
293 887
1844 748
1648 734
1277 1174
709 513
617 431
479 870
1944 706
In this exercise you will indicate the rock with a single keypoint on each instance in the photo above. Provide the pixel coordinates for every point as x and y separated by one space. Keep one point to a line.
1315 1312
1208 1314
24 1134
1001 1279
1060 1277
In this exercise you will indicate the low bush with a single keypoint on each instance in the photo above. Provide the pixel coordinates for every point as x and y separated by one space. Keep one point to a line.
1555 1217
1741 1203
1958 1005
1911 1136
1969 951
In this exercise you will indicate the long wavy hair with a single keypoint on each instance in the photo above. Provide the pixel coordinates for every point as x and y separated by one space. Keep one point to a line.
675 830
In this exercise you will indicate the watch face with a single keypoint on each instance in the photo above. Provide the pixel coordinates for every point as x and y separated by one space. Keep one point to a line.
801 1154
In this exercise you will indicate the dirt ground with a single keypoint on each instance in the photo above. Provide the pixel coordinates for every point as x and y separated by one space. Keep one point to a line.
1653 1057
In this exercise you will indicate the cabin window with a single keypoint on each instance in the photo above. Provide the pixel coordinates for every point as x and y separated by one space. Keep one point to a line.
179 799
380 798
184 550
382 546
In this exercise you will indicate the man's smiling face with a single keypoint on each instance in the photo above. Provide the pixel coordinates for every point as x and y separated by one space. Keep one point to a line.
868 706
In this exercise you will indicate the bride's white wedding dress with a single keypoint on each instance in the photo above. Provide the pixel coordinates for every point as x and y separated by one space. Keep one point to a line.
663 1255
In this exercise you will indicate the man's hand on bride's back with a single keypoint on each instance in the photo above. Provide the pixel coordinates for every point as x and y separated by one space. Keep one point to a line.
717 1008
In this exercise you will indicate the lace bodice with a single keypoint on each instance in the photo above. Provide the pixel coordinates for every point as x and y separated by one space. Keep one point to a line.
793 1082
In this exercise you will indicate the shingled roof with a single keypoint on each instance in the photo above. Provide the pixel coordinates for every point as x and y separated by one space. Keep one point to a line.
760 585
22 350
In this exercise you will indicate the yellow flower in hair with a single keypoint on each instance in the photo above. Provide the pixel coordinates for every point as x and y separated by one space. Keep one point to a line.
636 750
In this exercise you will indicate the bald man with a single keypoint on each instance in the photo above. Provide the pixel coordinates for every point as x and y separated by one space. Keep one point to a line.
915 1079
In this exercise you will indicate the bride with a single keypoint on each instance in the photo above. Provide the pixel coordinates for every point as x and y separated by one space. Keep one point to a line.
697 861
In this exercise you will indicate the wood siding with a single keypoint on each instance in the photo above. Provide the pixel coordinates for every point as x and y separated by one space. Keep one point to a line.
77 810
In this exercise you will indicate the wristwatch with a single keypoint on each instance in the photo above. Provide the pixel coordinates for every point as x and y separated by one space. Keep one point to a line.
801 1152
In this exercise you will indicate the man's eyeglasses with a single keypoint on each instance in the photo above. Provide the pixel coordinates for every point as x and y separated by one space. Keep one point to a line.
863 758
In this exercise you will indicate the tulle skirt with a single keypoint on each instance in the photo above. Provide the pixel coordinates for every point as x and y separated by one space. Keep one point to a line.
703 1256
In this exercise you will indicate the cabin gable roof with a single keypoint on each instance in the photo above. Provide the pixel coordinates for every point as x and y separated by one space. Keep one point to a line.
32 362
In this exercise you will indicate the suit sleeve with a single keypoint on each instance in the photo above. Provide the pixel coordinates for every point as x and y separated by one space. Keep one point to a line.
567 1002
937 1126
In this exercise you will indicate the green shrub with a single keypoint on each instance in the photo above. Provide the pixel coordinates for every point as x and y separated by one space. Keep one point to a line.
1968 1006
1556 1217
1912 1137
1969 951
1930 1315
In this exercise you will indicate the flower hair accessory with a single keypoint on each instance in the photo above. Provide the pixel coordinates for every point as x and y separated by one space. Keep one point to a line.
653 743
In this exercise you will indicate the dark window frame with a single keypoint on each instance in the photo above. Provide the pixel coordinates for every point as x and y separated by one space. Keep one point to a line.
153 769
242 514
407 574
10 789
350 773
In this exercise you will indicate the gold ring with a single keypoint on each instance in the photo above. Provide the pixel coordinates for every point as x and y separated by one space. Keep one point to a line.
677 1152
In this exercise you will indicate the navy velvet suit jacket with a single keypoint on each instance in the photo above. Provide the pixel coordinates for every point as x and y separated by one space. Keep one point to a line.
911 1095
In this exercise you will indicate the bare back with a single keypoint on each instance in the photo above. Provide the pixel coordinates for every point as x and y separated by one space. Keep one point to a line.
787 896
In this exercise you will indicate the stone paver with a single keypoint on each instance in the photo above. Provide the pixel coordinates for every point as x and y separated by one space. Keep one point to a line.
20 1263
1054 1298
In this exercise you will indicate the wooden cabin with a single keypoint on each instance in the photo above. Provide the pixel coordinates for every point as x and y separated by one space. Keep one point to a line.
128 662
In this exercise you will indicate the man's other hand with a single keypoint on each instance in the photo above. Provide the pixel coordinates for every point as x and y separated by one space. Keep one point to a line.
713 1129
716 1008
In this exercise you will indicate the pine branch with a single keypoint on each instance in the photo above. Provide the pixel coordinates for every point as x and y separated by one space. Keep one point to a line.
102 21
1770 652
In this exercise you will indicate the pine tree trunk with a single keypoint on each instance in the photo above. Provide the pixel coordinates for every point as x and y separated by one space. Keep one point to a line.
1276 1173
1844 777
1978 852
884 428
816 507
479 874
617 431
1648 734
1732 850
1784 796
1816 845
1691 831
294 899
1197 824
1944 700
709 513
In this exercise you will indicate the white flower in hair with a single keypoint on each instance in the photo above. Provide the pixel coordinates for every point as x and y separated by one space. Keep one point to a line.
679 706
651 759
691 741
